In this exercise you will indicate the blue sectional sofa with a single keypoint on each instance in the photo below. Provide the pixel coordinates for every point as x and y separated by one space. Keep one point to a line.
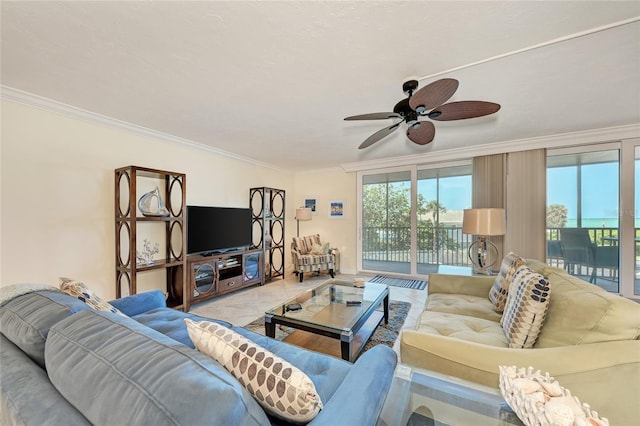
63 363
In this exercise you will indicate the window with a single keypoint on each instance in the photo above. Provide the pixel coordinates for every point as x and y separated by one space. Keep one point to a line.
582 215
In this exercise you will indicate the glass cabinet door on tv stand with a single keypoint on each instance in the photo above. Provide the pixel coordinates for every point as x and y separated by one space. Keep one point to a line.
268 218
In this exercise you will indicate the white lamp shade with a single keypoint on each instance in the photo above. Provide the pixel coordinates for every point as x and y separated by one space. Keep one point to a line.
303 213
483 222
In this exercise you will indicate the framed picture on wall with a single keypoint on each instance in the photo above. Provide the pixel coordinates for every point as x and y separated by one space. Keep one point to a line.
310 203
336 209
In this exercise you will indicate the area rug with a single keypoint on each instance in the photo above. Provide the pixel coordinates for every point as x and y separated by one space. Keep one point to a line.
384 334
399 282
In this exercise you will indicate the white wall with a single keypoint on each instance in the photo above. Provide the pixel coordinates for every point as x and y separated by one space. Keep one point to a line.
57 201
326 186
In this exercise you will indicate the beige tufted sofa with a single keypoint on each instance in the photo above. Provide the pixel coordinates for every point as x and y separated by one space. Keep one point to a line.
588 342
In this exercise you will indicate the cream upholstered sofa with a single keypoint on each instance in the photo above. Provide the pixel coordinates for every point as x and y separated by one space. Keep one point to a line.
588 340
310 254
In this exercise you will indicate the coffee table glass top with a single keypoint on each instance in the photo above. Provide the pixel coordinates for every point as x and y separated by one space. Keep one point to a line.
326 305
421 397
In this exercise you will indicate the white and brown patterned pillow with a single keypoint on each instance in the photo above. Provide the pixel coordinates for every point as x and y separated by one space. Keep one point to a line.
526 308
80 291
280 388
500 289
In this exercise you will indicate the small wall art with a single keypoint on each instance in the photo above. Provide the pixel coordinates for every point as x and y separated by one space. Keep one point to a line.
336 209
310 203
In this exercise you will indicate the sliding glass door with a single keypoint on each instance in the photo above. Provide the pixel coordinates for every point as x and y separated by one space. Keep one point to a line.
386 222
411 219
583 229
443 194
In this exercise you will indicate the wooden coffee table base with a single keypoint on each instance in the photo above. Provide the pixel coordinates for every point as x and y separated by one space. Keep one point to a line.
335 310
329 346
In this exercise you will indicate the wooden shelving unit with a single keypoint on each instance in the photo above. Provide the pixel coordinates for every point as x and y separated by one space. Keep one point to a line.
172 256
268 214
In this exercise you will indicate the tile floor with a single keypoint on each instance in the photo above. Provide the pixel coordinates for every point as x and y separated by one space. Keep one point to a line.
244 306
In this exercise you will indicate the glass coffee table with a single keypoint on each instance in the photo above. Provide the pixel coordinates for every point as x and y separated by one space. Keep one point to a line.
425 398
335 310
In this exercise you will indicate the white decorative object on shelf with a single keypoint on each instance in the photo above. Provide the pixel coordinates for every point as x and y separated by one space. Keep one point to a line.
146 257
538 399
145 204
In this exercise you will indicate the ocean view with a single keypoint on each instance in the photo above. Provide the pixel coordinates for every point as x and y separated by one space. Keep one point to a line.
610 222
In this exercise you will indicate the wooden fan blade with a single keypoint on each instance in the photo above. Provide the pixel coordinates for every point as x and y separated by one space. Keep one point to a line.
433 95
463 110
379 135
374 116
422 132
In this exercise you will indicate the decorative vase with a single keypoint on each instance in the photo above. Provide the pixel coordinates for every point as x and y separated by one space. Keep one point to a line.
145 204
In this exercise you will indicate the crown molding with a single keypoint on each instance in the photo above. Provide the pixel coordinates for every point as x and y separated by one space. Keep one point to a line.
587 137
40 102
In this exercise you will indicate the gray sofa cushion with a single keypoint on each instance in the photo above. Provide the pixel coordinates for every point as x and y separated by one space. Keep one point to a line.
26 320
166 382
27 397
170 322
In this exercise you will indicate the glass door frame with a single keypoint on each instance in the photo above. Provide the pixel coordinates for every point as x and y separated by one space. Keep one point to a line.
627 215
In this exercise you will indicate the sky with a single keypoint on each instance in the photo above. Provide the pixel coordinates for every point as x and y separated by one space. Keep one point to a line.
600 190
455 192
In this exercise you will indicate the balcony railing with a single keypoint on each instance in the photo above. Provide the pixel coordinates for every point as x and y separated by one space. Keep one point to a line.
447 245
440 245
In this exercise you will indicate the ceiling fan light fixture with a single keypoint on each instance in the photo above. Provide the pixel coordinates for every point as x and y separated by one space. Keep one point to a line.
411 118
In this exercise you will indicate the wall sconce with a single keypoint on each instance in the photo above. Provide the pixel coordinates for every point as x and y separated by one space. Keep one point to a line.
483 223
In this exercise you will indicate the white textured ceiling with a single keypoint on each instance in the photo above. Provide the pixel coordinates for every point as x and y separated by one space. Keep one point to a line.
272 81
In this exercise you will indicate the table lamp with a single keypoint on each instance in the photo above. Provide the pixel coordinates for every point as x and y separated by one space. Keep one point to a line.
302 214
483 223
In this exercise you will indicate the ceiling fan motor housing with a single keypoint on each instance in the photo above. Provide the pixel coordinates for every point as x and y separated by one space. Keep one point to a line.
410 86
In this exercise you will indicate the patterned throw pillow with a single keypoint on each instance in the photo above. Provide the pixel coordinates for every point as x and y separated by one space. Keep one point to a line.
500 289
320 249
280 388
80 291
526 308
305 244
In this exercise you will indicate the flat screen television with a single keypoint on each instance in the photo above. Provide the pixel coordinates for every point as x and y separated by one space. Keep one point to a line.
217 229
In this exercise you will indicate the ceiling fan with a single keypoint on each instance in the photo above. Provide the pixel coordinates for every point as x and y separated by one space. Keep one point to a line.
427 102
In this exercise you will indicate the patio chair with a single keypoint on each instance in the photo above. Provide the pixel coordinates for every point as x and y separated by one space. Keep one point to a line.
578 250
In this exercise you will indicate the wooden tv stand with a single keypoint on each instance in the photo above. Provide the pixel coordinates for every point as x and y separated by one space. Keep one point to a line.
220 273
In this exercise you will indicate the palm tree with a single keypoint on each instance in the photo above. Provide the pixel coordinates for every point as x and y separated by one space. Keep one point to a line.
435 208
